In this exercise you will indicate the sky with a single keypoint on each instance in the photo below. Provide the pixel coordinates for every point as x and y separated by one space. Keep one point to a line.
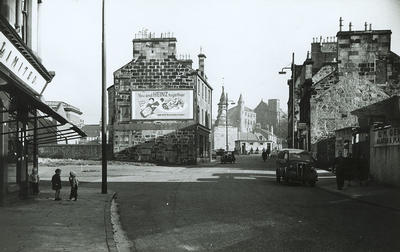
247 42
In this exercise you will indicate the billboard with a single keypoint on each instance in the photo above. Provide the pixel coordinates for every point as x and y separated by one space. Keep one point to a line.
162 104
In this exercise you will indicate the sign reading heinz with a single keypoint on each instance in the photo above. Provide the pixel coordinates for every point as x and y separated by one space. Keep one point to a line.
162 104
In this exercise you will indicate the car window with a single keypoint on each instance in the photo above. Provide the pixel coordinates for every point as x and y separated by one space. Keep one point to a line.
302 156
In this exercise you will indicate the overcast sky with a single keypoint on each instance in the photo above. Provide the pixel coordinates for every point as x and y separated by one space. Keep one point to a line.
246 41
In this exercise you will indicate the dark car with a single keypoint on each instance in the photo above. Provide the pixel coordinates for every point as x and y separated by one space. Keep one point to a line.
228 157
295 165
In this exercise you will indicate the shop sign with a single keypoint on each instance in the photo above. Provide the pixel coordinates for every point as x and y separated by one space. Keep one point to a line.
14 61
162 104
301 126
390 136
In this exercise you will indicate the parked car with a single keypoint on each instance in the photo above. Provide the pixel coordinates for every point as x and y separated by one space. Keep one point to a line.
295 165
228 157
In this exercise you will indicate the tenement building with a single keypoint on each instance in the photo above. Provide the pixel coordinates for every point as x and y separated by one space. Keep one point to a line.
25 120
159 106
344 73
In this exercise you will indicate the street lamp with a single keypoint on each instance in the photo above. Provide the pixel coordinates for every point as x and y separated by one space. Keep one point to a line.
292 68
227 102
103 109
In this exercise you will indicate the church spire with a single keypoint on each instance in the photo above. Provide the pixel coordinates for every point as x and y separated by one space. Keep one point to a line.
240 101
222 99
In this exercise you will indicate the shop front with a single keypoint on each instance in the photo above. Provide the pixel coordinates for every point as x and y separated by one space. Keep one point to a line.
26 121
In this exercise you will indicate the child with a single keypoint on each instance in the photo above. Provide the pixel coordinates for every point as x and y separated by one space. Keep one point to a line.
56 184
34 181
73 181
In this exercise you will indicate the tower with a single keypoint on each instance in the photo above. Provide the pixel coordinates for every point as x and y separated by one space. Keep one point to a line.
221 117
242 118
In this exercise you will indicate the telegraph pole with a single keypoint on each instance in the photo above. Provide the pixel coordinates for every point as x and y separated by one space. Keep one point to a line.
103 109
226 121
293 86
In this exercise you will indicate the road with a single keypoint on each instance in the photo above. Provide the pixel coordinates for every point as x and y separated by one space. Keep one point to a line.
240 207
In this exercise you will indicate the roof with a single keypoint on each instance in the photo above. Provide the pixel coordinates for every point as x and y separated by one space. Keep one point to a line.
92 130
67 107
389 108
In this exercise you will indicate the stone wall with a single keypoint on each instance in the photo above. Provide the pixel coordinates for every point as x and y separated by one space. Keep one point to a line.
73 151
160 146
331 109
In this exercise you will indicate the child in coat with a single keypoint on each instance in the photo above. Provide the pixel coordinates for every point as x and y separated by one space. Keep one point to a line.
56 184
34 181
73 181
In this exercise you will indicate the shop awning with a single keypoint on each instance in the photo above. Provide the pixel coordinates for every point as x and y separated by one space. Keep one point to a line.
24 77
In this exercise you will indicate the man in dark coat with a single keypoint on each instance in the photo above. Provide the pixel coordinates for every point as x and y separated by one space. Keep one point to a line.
339 163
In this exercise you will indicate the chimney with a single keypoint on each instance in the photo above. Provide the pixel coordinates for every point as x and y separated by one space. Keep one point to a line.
201 63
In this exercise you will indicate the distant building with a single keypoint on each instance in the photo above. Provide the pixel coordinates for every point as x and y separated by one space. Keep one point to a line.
256 141
69 112
242 117
93 134
159 106
241 120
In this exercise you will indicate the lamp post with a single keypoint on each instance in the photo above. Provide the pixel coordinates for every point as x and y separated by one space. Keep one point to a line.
226 120
292 68
103 109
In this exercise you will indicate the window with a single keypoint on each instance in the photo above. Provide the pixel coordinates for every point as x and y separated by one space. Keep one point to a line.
198 88
209 96
202 94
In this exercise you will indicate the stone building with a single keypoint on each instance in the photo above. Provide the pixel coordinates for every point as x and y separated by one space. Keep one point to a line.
26 121
71 113
242 117
344 73
271 116
237 131
159 106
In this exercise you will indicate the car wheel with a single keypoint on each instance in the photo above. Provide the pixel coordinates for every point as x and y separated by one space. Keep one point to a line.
278 179
311 183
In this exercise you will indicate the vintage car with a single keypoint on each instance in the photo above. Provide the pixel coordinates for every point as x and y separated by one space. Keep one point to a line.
295 165
228 157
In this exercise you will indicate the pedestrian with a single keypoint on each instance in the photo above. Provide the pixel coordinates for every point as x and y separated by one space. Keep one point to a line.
268 152
34 181
339 163
264 155
56 184
73 181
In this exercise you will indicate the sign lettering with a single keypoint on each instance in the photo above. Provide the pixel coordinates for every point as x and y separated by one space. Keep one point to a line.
390 136
14 61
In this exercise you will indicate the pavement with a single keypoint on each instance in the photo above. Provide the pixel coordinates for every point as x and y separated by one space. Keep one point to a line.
374 194
42 224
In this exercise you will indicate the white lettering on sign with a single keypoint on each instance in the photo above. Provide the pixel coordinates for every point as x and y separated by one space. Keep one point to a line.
390 136
13 60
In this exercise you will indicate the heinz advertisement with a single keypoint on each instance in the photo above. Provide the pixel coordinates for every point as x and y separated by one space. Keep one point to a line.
162 104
